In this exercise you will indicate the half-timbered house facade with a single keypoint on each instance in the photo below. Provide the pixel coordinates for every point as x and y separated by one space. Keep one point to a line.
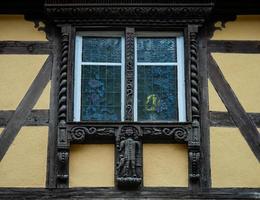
129 99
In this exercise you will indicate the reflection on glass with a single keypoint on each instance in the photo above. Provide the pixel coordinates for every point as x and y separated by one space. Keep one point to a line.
157 93
101 93
156 50
101 49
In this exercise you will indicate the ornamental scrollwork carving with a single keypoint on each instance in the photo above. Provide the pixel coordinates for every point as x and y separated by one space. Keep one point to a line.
129 157
176 133
129 60
80 134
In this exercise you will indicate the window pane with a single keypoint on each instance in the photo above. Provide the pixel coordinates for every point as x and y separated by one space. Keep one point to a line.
156 50
157 93
100 49
101 93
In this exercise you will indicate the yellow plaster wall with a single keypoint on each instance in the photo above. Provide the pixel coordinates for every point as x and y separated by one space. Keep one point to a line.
17 74
215 103
232 162
92 165
44 100
242 73
165 165
244 28
24 164
16 28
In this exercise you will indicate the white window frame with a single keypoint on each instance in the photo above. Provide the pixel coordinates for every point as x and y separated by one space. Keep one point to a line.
180 72
179 64
78 70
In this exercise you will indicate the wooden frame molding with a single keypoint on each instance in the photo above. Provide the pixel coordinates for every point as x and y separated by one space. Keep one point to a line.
82 15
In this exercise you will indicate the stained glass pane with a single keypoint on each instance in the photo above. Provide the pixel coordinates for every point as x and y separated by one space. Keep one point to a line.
101 93
101 49
156 50
157 93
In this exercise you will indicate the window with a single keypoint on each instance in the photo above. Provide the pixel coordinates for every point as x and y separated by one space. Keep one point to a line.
99 81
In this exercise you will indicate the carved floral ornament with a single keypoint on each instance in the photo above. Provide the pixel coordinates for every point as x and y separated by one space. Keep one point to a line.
187 11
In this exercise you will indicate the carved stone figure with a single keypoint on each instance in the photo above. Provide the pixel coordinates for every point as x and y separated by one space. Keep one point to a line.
129 157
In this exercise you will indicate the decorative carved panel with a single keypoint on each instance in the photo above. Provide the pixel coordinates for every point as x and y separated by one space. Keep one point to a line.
128 157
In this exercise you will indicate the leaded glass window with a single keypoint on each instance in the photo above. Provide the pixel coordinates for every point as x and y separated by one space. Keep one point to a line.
99 82
98 94
160 87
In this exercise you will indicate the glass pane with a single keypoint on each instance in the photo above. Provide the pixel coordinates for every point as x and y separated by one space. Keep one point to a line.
101 93
156 50
101 49
157 93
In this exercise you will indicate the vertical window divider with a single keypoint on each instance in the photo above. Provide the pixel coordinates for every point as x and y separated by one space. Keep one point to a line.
77 79
135 81
122 78
181 79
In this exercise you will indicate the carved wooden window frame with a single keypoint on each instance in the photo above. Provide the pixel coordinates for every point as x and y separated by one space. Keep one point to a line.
184 17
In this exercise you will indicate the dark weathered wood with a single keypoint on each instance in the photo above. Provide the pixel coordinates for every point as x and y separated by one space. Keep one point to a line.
24 108
25 47
112 193
240 117
230 46
205 140
223 119
35 118
52 137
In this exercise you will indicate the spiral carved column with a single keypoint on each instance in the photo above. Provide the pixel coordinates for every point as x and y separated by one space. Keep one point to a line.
194 139
62 179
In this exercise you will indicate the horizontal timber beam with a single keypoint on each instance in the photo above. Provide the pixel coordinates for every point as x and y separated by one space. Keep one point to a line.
35 118
223 119
25 47
111 193
231 46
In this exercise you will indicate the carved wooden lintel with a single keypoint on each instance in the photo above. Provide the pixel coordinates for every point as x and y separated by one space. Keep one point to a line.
129 12
129 157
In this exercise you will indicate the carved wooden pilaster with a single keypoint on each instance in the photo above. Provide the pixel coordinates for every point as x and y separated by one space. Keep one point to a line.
63 140
194 138
129 171
129 74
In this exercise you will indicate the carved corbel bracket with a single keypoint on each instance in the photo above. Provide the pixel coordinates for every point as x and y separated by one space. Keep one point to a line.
129 157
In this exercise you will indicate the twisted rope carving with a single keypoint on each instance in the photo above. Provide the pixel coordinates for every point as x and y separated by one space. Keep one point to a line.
194 77
63 80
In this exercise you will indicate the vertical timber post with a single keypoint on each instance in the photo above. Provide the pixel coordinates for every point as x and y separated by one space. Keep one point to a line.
194 139
128 168
63 144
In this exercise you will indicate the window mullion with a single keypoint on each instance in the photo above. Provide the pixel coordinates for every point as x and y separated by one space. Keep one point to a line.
129 73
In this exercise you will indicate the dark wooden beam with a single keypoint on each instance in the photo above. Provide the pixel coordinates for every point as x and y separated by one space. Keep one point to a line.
232 46
246 126
205 140
25 47
112 193
223 119
35 118
24 108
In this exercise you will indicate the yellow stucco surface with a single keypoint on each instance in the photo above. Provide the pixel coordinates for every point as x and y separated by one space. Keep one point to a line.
18 72
92 165
242 73
24 164
15 27
244 28
44 100
215 103
165 165
233 164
